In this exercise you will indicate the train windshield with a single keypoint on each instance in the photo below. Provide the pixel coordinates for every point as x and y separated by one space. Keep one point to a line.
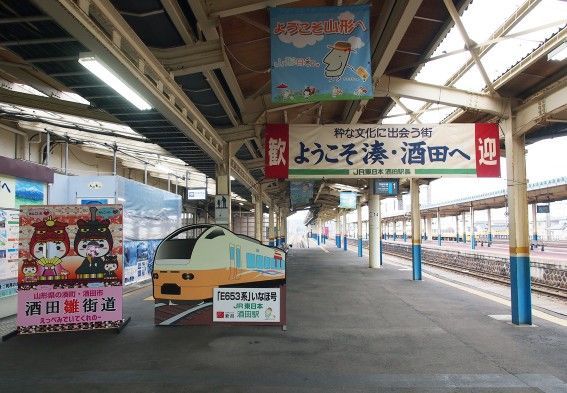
174 253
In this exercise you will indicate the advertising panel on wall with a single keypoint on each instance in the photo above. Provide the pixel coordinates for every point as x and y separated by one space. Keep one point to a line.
14 192
369 150
70 268
320 54
9 235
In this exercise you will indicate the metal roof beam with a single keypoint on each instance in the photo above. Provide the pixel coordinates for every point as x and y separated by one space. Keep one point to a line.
256 163
108 38
239 133
179 20
501 32
24 19
392 31
210 33
37 41
222 9
541 108
192 58
389 85
469 44
522 65
188 35
55 105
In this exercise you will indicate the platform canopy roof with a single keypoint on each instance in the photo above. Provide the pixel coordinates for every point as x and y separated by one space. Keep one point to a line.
204 67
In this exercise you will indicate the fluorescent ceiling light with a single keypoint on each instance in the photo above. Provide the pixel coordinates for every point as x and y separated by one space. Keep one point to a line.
105 74
559 53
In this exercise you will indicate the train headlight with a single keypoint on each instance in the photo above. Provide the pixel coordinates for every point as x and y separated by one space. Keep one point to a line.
155 276
188 276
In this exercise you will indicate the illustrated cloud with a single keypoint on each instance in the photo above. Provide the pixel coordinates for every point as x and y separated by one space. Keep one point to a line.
355 43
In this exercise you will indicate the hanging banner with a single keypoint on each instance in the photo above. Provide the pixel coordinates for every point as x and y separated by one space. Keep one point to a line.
300 193
320 54
370 150
70 268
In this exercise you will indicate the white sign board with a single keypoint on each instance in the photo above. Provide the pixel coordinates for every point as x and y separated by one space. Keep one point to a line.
222 203
197 194
246 305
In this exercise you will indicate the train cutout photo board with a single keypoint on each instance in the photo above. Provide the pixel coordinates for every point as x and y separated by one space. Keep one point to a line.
194 260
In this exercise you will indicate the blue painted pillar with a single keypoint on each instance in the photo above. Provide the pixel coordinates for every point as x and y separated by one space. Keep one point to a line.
457 228
359 225
271 234
489 224
518 223
439 229
473 238
464 227
416 230
534 222
345 231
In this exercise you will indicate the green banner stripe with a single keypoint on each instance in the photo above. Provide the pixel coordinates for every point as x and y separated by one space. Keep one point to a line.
466 171
318 171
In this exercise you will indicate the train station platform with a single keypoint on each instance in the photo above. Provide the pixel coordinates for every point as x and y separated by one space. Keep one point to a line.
350 329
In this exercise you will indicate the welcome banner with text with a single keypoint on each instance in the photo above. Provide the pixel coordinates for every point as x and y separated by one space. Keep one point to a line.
371 150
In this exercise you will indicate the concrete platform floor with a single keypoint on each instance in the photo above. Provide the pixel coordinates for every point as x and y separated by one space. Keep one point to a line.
350 329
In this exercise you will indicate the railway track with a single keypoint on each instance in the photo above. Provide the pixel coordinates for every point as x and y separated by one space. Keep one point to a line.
536 287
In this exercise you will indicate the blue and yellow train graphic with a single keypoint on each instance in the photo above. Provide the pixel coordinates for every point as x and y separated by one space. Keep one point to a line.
195 259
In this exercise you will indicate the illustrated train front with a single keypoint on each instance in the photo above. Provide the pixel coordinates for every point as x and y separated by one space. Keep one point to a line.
193 260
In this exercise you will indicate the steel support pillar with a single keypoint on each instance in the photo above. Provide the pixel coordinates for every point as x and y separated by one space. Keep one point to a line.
223 185
404 230
395 230
258 214
520 285
339 230
283 237
489 219
464 227
374 230
359 225
534 222
345 231
439 227
271 224
473 239
415 230
429 230
457 228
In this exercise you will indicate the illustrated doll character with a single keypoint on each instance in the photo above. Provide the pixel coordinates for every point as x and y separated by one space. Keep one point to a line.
110 266
48 245
93 242
30 269
336 60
